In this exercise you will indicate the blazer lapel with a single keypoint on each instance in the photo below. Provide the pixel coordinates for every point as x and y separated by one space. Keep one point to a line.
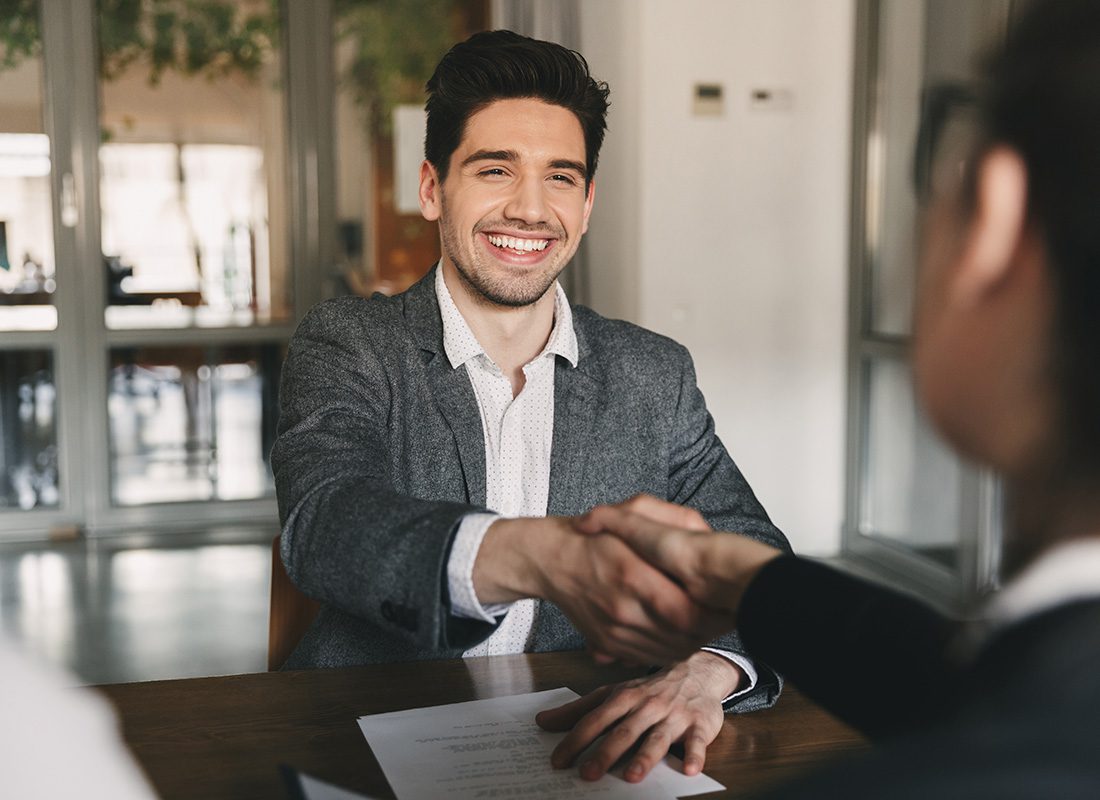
576 398
450 388
576 395
454 396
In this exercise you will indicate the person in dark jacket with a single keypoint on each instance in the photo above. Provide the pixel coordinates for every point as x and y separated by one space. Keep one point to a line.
1007 365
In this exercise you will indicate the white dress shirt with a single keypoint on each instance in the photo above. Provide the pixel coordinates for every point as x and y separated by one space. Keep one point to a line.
1065 573
519 433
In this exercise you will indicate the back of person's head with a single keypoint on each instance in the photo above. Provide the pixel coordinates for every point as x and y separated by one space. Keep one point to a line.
1043 100
498 65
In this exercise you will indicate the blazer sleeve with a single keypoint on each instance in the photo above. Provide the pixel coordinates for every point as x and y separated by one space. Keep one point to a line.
702 475
873 657
349 539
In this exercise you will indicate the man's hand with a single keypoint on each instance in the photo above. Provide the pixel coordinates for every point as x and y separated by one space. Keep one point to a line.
621 605
714 569
682 703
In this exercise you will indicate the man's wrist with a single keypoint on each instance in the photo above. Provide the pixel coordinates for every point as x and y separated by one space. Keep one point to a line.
510 560
749 676
460 566
721 676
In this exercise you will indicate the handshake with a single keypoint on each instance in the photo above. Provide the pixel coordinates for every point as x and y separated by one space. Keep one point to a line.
645 581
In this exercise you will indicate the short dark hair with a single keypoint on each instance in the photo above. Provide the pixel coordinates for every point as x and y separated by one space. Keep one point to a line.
1043 100
496 65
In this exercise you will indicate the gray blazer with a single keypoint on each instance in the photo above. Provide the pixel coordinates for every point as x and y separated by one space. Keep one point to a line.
380 454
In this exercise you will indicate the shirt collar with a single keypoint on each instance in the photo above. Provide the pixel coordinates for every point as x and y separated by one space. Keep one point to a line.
460 344
1065 573
563 338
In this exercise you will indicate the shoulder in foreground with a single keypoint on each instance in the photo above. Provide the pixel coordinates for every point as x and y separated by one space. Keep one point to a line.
617 336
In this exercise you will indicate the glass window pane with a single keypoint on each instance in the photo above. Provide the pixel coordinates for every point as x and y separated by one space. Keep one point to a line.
916 492
893 137
383 242
27 278
192 423
28 430
953 35
192 165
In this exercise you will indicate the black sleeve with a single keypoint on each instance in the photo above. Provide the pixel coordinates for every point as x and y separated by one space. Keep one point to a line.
873 657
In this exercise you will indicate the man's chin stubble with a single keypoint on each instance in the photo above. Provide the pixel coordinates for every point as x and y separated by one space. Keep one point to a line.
486 293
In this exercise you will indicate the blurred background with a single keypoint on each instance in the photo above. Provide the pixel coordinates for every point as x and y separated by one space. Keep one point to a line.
181 180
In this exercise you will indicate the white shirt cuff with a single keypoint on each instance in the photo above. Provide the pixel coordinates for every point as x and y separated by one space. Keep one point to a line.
745 663
460 570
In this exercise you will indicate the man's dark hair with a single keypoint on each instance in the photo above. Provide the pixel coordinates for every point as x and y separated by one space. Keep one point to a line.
497 65
1043 100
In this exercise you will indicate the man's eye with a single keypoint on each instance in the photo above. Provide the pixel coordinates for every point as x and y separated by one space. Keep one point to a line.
492 171
566 179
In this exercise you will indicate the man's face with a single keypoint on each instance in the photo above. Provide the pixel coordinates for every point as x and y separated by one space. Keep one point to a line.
944 361
982 350
940 378
513 207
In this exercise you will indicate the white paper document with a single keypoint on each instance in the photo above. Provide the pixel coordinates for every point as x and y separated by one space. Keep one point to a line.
494 749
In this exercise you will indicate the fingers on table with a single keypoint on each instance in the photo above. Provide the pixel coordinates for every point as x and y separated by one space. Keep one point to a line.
653 749
615 704
564 717
695 750
625 719
660 739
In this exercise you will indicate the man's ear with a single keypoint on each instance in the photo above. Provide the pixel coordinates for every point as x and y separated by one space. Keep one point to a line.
997 225
588 201
431 192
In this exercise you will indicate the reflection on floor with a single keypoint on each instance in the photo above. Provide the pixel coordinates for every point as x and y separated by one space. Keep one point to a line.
142 608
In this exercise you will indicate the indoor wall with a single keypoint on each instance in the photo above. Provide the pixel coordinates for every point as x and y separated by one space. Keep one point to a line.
729 231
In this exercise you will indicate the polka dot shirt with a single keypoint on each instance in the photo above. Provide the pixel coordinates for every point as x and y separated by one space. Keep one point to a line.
518 433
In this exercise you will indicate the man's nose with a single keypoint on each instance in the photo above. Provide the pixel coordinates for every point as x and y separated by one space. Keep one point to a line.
527 201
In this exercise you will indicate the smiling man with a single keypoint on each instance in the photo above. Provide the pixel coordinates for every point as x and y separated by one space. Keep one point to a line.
434 446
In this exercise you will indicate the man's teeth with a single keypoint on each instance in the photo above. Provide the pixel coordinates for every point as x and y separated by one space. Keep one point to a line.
523 245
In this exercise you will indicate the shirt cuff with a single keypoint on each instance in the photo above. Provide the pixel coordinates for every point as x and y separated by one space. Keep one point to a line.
745 663
460 570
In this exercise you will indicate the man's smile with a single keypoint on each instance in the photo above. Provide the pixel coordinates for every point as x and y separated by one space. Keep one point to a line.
519 245
519 248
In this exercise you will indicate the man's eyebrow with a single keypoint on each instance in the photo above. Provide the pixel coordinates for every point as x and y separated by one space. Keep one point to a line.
565 163
491 155
512 155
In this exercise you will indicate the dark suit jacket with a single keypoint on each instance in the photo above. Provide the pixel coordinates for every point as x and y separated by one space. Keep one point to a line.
1020 718
381 453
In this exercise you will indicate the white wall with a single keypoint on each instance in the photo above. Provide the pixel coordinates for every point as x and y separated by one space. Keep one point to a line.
729 233
611 39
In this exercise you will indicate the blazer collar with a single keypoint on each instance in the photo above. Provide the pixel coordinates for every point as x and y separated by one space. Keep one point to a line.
422 313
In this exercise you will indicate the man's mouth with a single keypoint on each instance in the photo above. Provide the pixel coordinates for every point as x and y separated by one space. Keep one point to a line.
518 246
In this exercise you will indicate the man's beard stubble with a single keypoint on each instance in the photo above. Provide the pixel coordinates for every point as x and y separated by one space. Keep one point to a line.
515 293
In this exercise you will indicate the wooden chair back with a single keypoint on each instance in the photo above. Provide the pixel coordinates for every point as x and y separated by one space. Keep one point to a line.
291 612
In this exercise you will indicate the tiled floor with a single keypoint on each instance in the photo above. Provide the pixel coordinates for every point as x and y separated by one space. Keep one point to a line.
142 608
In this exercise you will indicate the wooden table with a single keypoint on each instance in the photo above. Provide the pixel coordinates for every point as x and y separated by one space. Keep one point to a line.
224 737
